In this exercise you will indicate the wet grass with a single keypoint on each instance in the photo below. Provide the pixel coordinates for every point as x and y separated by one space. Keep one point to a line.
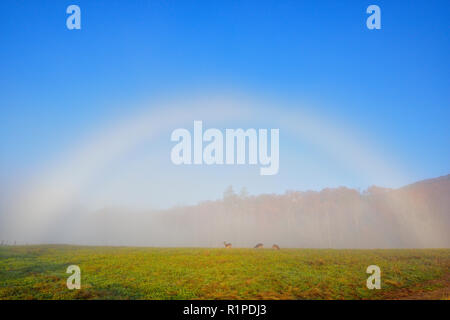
39 272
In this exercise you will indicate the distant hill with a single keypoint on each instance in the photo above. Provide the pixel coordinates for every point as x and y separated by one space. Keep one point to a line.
414 216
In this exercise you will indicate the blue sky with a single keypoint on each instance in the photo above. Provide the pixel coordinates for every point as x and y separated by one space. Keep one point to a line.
57 85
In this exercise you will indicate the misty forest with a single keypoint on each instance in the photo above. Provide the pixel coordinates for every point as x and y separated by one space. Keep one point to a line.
414 216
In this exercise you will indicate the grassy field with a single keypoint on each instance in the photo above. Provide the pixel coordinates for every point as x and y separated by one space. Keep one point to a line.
39 272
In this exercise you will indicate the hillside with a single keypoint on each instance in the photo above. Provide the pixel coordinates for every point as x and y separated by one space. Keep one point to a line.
414 216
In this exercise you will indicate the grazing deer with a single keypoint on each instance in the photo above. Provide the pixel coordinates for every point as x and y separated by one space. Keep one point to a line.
259 245
275 247
227 245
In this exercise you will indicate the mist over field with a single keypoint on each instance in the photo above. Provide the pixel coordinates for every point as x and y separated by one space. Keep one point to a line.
414 216
89 193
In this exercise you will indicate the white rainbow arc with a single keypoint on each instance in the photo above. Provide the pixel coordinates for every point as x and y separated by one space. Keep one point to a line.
50 193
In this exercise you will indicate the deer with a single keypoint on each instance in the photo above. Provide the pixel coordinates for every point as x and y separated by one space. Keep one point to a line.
227 245
259 245
275 247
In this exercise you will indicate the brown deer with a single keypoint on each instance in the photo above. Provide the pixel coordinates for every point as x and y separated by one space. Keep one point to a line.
275 247
259 245
227 245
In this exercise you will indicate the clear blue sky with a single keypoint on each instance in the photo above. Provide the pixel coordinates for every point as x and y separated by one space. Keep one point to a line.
56 84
